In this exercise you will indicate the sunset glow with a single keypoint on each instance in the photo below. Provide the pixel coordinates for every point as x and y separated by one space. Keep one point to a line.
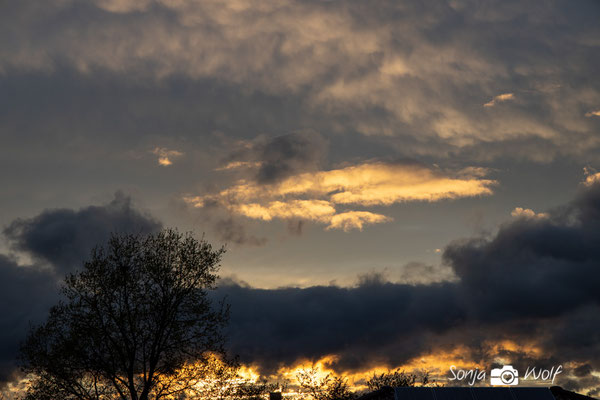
209 199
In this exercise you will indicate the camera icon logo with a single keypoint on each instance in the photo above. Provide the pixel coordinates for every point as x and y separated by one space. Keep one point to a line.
506 375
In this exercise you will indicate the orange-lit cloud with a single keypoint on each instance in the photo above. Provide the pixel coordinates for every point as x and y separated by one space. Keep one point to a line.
350 220
499 99
591 179
165 156
315 196
436 363
369 184
384 184
212 375
317 210
593 113
591 176
238 165
520 212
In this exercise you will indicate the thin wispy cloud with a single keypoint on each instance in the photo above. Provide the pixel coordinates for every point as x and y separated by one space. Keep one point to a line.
239 165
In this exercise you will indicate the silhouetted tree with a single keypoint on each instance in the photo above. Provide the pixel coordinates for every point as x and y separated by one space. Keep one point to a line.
136 323
396 378
251 390
327 388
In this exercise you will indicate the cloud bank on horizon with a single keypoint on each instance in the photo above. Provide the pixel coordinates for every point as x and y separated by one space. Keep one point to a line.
533 284
535 281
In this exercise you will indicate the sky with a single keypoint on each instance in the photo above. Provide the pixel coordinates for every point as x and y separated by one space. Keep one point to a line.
397 183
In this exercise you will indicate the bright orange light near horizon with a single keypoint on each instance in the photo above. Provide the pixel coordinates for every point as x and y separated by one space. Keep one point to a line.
214 376
436 363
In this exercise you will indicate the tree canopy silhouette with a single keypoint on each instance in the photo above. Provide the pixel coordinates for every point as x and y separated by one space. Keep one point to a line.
329 387
133 323
397 378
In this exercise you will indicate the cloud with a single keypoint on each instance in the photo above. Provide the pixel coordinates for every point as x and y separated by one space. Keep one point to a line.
527 295
271 159
239 164
314 196
500 99
538 266
386 184
350 220
313 210
232 231
415 273
227 227
295 227
58 241
318 210
593 113
542 273
368 184
592 178
64 237
355 324
336 67
165 156
26 294
520 212
534 282
287 155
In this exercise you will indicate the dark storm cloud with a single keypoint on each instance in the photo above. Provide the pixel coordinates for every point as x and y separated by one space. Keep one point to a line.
538 266
286 155
59 240
539 274
535 280
65 237
583 370
280 326
26 294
